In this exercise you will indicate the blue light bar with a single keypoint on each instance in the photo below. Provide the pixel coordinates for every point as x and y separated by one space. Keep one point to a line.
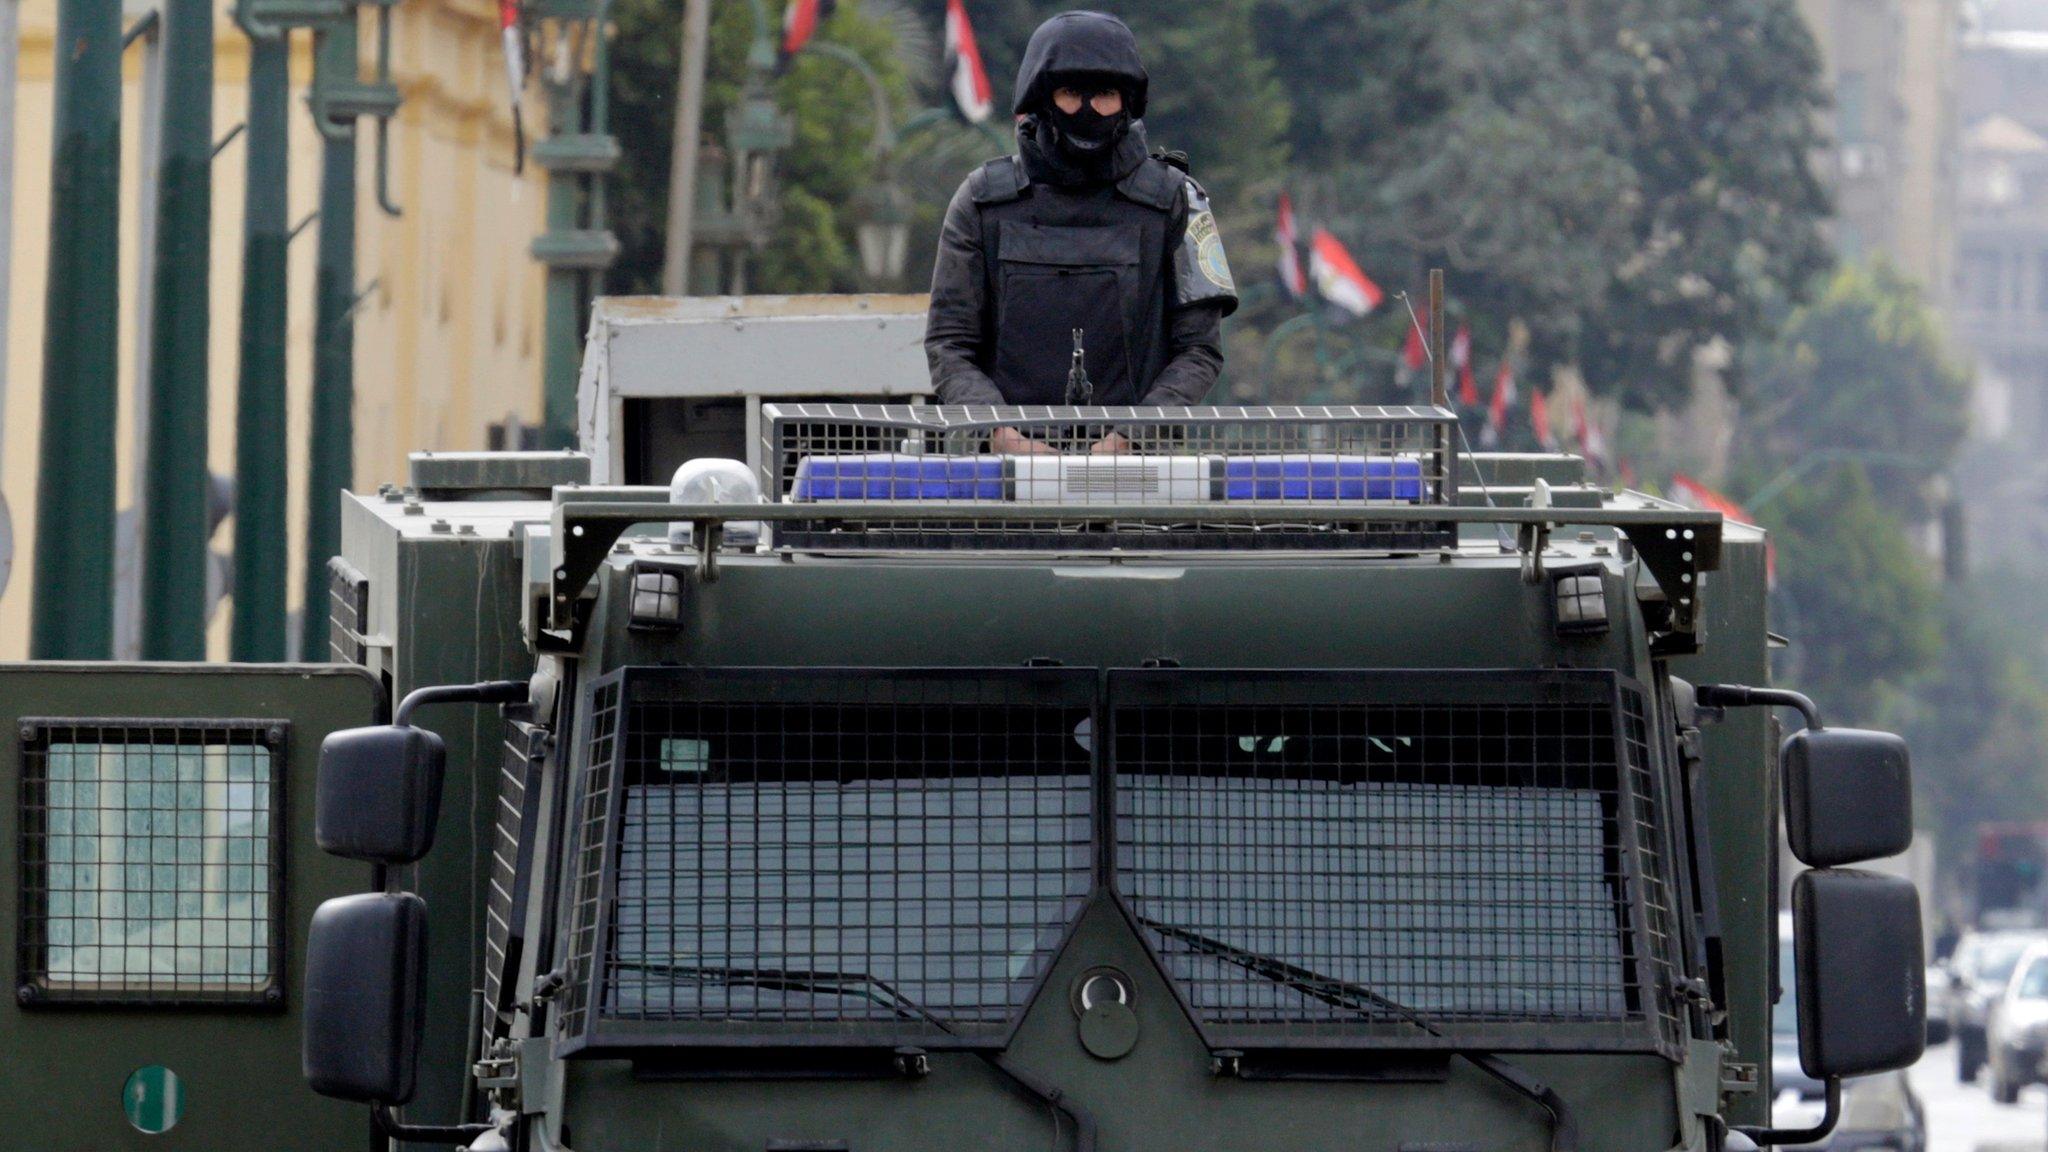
1322 477
898 476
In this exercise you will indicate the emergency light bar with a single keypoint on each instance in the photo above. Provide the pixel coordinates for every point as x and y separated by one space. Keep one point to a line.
1086 480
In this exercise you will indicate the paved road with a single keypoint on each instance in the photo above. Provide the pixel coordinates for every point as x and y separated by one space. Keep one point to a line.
1962 1118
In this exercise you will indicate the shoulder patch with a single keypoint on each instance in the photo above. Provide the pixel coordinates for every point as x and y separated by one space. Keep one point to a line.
1001 179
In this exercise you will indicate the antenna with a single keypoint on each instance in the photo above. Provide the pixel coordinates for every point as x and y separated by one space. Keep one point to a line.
1439 392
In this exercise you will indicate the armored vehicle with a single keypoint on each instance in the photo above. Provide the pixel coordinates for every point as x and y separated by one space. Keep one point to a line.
788 771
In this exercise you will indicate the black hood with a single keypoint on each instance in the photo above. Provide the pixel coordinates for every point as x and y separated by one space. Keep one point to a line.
1080 42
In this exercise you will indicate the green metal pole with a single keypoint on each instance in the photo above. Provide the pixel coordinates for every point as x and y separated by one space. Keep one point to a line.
74 571
174 553
563 316
334 290
261 545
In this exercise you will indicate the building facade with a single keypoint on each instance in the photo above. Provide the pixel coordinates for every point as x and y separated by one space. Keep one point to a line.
448 333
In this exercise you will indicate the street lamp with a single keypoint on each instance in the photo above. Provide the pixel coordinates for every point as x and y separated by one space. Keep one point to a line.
882 227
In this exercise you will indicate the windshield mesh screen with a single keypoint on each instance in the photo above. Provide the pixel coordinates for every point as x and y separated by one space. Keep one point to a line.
863 850
1307 853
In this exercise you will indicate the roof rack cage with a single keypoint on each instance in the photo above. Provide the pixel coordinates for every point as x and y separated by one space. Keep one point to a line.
1185 463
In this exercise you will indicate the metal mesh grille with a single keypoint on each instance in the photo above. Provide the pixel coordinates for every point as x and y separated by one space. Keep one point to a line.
1654 848
151 861
348 595
1360 853
1210 472
593 837
852 853
511 870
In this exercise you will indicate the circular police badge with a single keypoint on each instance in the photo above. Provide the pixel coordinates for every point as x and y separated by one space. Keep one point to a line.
1209 255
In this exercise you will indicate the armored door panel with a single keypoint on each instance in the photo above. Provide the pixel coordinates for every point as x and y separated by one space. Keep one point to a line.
156 879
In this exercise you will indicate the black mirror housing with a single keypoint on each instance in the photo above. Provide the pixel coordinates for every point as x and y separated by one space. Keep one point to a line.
1862 975
1848 795
379 793
366 960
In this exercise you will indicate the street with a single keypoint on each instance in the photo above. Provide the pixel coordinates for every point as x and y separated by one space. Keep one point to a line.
1962 1117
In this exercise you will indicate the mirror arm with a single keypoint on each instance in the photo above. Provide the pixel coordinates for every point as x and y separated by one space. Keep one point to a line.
1741 696
392 1128
1765 1137
489 692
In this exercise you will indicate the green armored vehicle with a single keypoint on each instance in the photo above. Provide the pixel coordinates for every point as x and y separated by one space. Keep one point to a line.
787 771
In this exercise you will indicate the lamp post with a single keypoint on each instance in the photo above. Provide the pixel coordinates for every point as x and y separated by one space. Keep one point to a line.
882 228
881 211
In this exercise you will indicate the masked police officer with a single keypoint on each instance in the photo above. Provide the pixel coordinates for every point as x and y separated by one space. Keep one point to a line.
1082 231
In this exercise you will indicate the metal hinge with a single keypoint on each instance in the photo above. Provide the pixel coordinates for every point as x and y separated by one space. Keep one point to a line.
1739 1079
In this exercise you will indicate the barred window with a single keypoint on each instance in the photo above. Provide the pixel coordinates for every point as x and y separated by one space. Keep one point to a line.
151 864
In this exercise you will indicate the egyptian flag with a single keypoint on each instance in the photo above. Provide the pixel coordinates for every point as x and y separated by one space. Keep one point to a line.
1461 359
1293 279
1592 440
800 22
1539 420
1338 277
1414 352
1503 398
1690 492
514 39
969 80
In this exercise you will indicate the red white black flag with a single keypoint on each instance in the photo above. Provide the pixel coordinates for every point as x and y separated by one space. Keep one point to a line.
1592 437
968 79
1461 359
1293 279
1338 277
1539 420
800 20
514 42
1503 399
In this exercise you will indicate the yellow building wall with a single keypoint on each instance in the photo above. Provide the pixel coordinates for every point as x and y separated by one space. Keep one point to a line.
447 342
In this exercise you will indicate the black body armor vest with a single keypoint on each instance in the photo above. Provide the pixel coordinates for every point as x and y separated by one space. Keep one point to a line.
1057 259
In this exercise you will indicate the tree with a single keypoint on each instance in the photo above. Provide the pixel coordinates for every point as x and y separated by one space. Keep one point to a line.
1629 178
1865 370
1855 592
813 247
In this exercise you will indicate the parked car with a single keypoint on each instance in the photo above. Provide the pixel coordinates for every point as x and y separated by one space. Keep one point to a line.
1879 1113
1978 974
2016 1036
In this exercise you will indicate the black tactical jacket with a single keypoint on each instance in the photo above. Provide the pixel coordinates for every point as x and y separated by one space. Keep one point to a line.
1021 264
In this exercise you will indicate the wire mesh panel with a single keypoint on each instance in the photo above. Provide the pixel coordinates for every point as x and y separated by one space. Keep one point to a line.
152 867
1437 858
511 871
858 857
1188 463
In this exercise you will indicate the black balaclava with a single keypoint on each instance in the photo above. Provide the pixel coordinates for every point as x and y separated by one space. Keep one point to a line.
1085 134
1089 51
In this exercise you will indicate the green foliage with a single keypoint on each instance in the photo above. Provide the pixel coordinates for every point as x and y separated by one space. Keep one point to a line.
1630 178
1856 409
1864 369
1858 597
813 247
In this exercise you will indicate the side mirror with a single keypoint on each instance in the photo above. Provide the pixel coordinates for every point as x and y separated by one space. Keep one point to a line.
366 960
1861 974
379 793
1848 795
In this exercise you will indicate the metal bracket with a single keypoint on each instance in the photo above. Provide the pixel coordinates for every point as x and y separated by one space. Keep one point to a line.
1739 1079
1676 554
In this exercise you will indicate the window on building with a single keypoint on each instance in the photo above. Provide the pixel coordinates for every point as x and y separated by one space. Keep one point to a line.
151 863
